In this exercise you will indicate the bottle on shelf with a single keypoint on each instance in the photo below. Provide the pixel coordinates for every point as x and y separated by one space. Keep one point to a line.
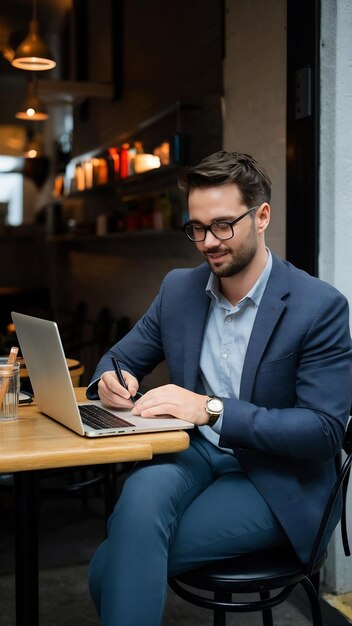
101 225
179 148
115 155
124 160
162 213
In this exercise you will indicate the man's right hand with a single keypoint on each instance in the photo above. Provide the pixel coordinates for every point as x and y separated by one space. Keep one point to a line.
112 394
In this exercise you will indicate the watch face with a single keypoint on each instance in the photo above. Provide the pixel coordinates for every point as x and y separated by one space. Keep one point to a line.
215 405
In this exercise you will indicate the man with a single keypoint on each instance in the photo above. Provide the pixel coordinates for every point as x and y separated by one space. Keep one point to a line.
259 356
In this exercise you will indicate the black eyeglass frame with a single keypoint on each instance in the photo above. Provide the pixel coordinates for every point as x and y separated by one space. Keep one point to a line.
210 226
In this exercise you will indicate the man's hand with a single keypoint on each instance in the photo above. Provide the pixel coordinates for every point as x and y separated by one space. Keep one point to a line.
173 400
112 394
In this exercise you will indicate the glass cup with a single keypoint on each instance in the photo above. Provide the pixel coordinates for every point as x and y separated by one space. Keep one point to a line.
9 389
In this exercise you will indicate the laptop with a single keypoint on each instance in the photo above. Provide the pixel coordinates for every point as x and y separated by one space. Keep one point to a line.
50 378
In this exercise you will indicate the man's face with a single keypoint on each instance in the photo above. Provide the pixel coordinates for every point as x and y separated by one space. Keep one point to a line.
229 257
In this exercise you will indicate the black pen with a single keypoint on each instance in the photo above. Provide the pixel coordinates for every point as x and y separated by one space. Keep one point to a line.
118 373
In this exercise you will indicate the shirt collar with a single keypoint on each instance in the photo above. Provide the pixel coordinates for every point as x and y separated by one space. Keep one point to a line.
255 293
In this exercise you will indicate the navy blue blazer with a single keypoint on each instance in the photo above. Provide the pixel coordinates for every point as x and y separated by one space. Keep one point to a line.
295 396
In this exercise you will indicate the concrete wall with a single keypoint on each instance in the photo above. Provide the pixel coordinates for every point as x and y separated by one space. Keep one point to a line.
255 96
335 257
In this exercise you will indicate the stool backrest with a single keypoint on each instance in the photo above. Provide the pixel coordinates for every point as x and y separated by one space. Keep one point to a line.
341 483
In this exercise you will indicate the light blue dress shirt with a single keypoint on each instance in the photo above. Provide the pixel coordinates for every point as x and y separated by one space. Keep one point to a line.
225 342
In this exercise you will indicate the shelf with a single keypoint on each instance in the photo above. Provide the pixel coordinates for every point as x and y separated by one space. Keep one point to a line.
129 244
124 234
137 184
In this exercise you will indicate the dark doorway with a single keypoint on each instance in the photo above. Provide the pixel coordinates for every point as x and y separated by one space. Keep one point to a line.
303 79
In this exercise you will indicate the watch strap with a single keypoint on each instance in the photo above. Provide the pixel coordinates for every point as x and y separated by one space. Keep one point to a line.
213 419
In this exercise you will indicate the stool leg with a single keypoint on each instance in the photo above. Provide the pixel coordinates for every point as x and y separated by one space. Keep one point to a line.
267 615
219 618
315 579
313 597
220 614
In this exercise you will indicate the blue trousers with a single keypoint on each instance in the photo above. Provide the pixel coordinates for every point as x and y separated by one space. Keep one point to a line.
174 513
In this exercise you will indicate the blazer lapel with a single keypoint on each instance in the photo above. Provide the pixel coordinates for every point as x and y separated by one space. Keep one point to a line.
269 313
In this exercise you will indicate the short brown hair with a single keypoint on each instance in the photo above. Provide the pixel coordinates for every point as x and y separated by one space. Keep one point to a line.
224 168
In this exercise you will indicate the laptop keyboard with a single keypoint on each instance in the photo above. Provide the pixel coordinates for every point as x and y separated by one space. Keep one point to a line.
96 417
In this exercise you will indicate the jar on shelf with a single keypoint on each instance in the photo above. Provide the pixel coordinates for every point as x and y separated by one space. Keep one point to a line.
101 171
163 152
79 178
88 173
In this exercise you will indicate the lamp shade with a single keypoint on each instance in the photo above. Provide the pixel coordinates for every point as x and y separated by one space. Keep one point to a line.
33 53
32 108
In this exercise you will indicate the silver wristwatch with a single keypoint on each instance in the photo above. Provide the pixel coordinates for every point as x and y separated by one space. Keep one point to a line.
214 407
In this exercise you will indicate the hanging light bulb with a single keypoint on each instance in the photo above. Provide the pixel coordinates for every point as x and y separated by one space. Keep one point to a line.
33 150
33 53
32 108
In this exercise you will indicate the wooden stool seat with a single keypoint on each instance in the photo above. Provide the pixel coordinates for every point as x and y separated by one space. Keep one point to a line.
75 368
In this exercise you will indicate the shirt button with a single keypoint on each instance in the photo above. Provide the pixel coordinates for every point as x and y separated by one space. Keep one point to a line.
229 319
225 355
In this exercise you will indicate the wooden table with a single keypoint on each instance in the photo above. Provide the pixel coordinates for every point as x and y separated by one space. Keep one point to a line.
33 443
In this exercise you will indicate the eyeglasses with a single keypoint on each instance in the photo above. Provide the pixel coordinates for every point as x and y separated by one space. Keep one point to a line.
221 230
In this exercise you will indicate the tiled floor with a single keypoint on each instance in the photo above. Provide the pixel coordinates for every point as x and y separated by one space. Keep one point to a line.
64 601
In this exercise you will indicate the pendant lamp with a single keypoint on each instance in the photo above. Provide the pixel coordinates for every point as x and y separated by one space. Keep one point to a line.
33 53
33 149
32 108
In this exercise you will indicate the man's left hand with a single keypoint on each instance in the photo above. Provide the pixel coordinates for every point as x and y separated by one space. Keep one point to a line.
175 401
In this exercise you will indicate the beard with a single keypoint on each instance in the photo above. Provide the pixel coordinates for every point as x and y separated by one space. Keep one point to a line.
240 259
